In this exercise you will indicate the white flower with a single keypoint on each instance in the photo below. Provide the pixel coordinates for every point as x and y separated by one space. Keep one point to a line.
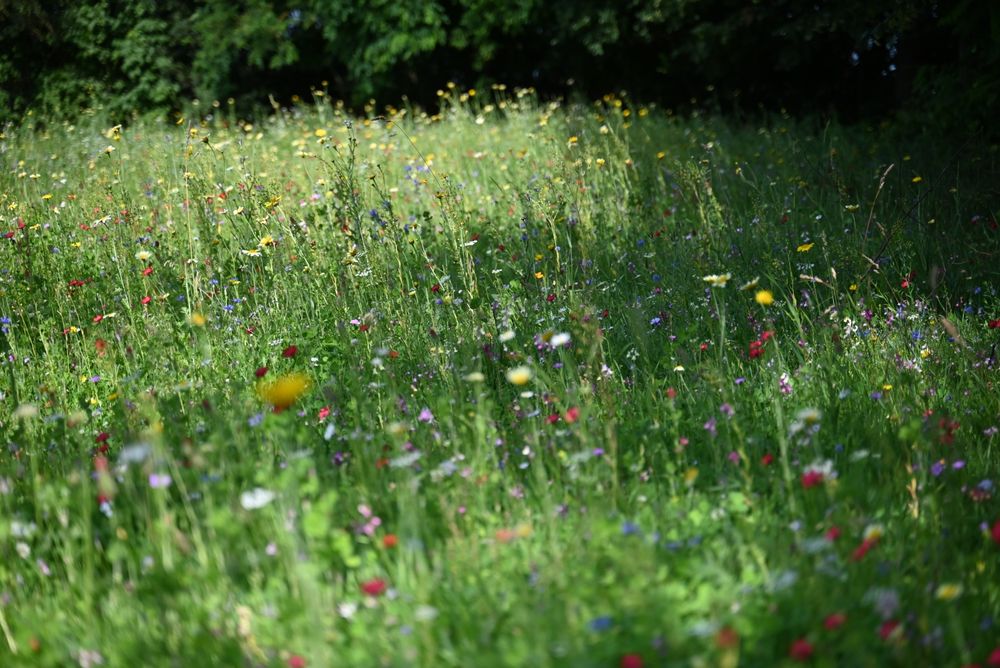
560 339
256 498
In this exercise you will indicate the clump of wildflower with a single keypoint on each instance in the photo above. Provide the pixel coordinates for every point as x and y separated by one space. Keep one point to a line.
717 280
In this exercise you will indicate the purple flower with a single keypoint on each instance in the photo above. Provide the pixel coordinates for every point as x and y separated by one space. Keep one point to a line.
937 468
710 426
727 410
160 480
425 415
734 457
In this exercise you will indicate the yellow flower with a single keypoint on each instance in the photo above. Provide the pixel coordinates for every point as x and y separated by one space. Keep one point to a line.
198 320
925 353
266 240
690 476
519 375
284 391
805 248
873 532
917 179
764 297
948 592
539 275
320 132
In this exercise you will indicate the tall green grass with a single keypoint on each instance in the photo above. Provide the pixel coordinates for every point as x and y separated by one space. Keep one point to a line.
516 425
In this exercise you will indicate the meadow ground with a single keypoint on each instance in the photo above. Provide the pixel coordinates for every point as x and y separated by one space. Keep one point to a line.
518 384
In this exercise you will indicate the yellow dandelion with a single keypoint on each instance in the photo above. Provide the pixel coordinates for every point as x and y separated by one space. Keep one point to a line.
197 319
805 248
539 275
519 375
764 297
284 391
320 132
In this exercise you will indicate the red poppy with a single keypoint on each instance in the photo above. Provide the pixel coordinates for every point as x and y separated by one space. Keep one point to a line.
145 300
995 532
323 413
767 459
552 419
102 437
801 650
887 629
572 415
147 271
995 324
834 621
833 533
994 660
861 550
727 637
289 351
671 393
551 297
631 661
260 372
374 587
389 541
99 317
296 661
811 479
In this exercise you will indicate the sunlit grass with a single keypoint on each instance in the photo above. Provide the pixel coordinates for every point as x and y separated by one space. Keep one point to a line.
515 384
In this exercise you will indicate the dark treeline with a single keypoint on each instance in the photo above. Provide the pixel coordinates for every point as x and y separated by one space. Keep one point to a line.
932 62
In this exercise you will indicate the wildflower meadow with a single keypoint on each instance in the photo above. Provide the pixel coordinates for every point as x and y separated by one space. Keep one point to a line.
519 383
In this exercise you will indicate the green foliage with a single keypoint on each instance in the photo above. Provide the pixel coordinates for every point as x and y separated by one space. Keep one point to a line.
936 62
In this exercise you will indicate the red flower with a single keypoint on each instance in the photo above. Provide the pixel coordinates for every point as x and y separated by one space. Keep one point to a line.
995 324
801 650
631 661
323 413
887 629
552 419
995 532
811 479
834 621
374 587
572 415
102 437
147 271
833 533
767 459
289 351
99 317
260 372
145 300
994 660
861 550
671 393
436 287
703 347
390 541
727 637
296 661
551 297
